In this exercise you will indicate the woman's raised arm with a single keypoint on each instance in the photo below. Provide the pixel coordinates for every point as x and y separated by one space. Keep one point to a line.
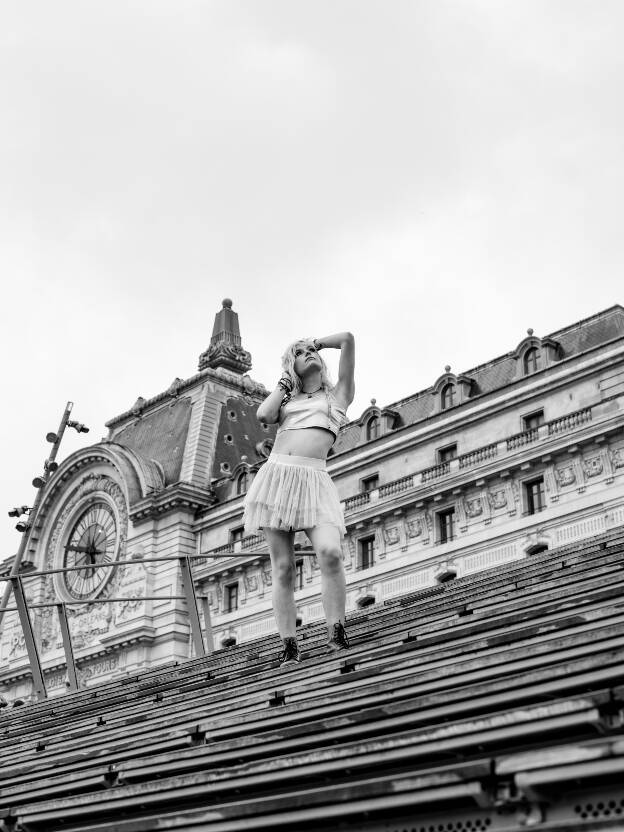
345 342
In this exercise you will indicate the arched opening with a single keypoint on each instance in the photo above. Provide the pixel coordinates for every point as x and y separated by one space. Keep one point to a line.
538 549
366 601
531 359
229 642
448 396
446 576
241 483
372 428
298 621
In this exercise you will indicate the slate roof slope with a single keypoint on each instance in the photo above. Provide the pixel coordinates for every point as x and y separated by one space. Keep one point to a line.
240 434
495 701
495 374
161 435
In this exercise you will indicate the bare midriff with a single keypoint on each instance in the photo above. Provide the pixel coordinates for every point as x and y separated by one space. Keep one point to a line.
314 442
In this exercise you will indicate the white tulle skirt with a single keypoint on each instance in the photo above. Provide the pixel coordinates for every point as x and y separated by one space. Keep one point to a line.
292 493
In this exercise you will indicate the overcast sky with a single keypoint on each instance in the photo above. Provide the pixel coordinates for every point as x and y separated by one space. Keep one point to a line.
434 176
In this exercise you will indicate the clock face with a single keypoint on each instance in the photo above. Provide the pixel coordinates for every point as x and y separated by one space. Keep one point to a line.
92 545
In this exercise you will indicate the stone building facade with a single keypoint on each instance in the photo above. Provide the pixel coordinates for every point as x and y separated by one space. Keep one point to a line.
523 453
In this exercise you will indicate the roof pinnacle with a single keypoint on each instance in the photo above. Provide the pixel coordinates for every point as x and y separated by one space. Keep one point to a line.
225 348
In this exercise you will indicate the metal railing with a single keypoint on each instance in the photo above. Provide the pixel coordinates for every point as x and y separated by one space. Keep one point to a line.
22 607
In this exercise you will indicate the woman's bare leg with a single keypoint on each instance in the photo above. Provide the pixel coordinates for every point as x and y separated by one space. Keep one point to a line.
326 543
283 589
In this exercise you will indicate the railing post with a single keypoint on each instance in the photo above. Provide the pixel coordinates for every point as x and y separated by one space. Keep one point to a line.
29 637
67 647
207 624
191 602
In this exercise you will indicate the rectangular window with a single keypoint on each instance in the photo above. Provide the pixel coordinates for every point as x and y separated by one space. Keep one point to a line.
447 454
370 483
231 597
445 525
534 490
237 534
533 420
299 575
367 552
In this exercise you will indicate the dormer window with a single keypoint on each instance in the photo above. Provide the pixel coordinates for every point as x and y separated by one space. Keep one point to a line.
531 359
372 428
242 483
447 396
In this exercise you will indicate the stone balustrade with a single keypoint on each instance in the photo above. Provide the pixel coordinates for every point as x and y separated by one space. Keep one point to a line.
252 541
570 421
396 486
480 455
519 440
435 472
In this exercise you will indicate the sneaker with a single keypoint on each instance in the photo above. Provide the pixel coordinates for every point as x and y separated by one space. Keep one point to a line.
339 640
290 654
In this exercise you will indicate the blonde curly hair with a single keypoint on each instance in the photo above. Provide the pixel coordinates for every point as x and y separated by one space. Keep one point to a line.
288 366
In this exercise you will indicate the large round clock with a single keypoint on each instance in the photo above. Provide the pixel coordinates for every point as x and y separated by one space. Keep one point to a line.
91 544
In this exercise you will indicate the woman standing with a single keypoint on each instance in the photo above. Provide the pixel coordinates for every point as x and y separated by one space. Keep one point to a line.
293 491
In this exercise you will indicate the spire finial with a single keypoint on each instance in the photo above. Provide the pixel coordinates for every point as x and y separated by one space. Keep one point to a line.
225 348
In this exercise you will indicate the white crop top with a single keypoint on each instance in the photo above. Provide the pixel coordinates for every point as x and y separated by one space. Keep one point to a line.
320 410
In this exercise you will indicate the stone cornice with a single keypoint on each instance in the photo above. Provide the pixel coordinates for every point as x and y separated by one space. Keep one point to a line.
179 496
463 479
109 647
484 405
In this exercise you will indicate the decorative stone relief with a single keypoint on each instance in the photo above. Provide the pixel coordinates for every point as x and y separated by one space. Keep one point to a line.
498 499
17 645
550 483
86 628
413 528
617 457
391 536
593 466
474 507
132 607
251 583
605 456
565 475
460 511
579 472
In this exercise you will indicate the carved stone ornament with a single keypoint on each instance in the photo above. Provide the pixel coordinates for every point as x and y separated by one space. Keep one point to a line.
251 583
231 356
498 499
593 466
565 475
391 535
414 528
474 507
617 457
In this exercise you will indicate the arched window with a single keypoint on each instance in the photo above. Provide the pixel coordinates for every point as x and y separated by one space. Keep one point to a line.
531 358
372 428
241 483
448 396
